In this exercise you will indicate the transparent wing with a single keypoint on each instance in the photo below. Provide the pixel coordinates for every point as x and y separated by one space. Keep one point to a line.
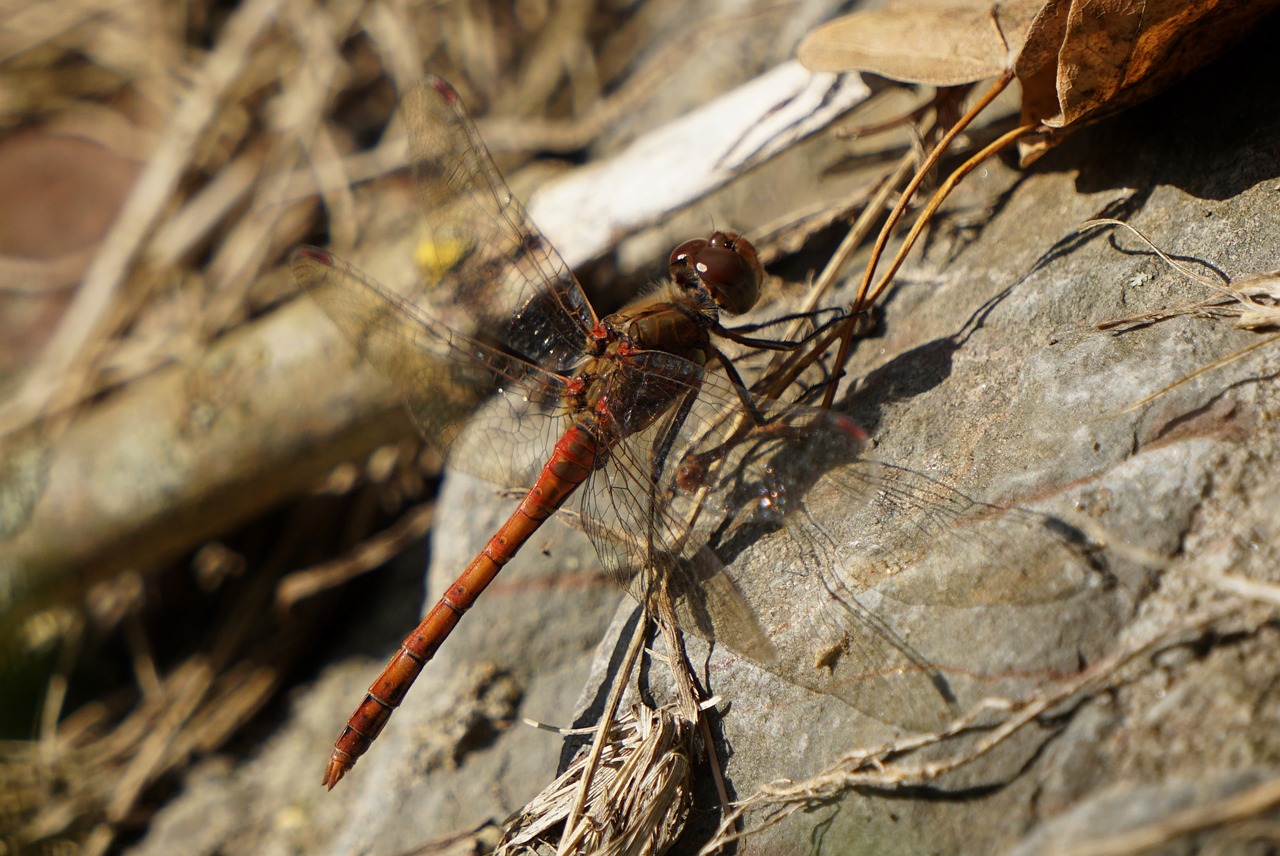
481 242
782 542
642 538
441 374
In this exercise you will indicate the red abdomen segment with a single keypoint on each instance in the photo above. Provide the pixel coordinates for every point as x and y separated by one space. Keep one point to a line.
571 462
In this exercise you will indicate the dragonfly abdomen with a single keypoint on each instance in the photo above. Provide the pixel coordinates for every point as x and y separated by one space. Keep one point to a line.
574 457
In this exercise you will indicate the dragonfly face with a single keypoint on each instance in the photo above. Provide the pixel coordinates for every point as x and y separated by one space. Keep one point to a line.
726 265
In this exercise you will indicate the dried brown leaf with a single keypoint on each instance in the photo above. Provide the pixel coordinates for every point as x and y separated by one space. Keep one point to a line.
1085 59
946 44
1077 60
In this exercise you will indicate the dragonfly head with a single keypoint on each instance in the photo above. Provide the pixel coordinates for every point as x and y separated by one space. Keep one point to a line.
725 264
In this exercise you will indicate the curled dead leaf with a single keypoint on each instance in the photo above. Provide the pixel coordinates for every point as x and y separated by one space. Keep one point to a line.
1086 59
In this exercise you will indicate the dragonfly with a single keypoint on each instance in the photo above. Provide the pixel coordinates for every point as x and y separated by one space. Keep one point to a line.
677 469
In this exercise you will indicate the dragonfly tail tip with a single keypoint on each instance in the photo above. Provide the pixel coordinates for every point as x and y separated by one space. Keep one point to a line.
332 775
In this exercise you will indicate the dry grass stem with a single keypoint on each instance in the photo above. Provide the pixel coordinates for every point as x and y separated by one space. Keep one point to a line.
935 202
1253 302
866 294
638 797
85 322
573 829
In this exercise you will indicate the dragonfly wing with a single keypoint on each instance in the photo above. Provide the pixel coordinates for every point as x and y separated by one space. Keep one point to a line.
754 519
649 539
481 241
441 374
911 533
731 542
875 560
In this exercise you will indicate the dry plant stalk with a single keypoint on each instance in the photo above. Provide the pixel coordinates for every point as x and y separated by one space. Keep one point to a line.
376 551
629 792
1254 303
638 798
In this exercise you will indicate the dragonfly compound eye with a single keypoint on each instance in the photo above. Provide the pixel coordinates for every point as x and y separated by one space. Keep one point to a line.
681 262
726 266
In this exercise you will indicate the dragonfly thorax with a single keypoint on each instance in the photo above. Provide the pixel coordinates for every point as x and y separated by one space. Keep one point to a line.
669 319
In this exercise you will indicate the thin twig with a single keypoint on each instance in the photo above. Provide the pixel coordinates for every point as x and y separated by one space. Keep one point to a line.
371 553
944 190
866 296
573 828
944 143
1203 370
